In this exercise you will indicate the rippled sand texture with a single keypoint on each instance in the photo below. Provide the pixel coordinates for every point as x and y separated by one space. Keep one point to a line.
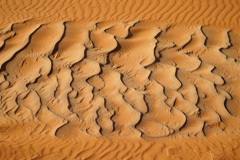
204 12
161 83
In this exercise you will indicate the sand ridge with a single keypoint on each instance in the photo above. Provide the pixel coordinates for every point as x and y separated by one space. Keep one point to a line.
75 76
106 80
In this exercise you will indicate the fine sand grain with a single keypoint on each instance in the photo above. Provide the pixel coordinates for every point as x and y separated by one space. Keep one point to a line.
118 79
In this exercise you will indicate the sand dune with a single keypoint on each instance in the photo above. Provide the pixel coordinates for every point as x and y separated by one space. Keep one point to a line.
119 79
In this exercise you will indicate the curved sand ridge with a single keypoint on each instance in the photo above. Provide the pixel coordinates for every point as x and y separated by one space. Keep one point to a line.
148 81
111 80
203 12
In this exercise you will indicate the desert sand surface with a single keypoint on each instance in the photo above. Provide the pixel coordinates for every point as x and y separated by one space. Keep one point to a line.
119 79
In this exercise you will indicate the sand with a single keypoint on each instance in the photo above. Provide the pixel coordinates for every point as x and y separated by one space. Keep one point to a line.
99 79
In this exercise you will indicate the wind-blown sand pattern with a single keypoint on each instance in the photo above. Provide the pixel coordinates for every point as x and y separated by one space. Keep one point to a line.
90 80
204 12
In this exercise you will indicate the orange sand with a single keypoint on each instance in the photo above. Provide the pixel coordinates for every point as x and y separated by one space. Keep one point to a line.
120 79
